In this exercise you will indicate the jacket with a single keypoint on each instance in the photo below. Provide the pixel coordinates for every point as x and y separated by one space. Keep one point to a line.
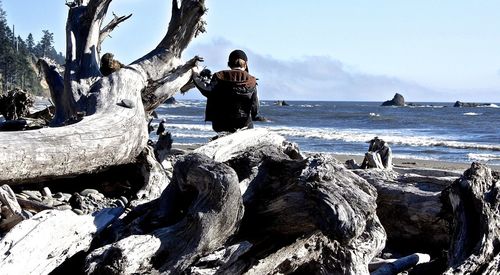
232 100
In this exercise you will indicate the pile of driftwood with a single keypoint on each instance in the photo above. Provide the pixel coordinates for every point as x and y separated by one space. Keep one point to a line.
251 203
15 108
94 196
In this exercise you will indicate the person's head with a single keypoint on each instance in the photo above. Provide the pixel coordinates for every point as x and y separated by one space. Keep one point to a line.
238 59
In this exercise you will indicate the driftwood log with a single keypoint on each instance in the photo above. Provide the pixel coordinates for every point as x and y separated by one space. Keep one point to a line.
410 207
104 118
42 243
200 214
475 199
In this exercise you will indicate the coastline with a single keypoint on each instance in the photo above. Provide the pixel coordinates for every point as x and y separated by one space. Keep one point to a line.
398 162
420 163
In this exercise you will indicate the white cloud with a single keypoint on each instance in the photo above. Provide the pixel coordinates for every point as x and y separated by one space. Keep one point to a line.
316 78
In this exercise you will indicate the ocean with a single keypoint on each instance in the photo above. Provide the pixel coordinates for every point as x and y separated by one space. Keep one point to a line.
430 131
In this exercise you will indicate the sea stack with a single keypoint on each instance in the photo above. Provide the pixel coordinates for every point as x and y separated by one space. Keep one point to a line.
170 100
397 100
469 104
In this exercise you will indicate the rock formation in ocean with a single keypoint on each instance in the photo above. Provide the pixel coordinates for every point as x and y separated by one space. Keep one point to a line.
170 100
281 103
397 100
470 104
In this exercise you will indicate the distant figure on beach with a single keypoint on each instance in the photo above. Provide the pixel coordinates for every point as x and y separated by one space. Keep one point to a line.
379 155
161 127
232 101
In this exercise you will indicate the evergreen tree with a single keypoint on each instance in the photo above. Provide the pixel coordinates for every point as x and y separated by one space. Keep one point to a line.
5 49
17 58
30 43
46 43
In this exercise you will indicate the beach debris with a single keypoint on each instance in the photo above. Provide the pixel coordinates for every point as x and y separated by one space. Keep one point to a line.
284 196
402 264
301 212
379 155
475 201
15 104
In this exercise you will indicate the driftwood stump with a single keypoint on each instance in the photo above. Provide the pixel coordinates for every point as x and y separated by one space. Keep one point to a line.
475 199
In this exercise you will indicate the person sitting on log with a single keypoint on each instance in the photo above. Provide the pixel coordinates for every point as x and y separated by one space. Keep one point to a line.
109 65
232 101
379 155
161 127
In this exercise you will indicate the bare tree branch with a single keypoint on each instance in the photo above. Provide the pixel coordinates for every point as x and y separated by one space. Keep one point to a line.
110 27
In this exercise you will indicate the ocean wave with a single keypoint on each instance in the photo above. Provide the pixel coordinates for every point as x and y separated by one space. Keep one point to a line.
192 127
425 106
361 135
192 135
179 104
374 114
472 114
490 106
309 105
482 157
181 117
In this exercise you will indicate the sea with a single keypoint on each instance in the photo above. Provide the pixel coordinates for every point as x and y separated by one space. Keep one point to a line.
428 131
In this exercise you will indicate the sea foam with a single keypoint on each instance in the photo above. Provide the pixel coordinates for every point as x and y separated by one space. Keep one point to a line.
362 135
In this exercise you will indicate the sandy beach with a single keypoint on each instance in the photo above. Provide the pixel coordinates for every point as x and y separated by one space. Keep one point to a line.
420 163
398 162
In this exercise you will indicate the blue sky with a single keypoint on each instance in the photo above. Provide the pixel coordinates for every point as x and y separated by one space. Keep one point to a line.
324 49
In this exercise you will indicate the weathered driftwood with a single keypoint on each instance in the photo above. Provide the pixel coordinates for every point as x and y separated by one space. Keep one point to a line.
111 111
410 208
475 199
225 148
286 198
10 209
402 264
15 104
155 178
40 244
212 217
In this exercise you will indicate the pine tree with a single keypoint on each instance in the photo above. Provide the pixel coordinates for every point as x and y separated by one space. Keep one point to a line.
30 43
5 49
46 43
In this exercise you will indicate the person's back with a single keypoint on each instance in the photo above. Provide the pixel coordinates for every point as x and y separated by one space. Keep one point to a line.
232 101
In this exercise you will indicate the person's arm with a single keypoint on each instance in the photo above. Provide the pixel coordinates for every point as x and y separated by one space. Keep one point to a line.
255 105
203 86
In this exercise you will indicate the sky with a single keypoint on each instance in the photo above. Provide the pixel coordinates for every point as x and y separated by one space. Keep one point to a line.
363 50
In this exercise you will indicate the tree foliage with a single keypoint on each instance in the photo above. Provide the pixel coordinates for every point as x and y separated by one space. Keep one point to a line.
18 57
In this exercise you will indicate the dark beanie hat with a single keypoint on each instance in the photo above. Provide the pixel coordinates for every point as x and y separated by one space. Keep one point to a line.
237 54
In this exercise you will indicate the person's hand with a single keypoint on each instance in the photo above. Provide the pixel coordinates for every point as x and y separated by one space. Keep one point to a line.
206 73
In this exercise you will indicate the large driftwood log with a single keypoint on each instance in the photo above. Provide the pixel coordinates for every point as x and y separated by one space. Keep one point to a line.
475 199
113 130
210 220
285 199
40 244
409 206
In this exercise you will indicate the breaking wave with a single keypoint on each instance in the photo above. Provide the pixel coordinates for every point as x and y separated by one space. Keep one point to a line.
360 135
482 157
472 114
